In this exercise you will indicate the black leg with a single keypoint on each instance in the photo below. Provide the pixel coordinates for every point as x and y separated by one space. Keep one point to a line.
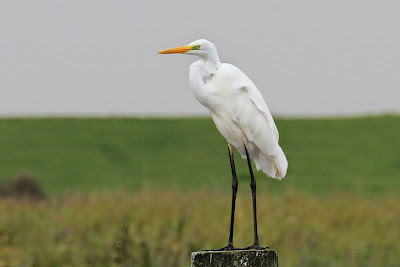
234 191
253 195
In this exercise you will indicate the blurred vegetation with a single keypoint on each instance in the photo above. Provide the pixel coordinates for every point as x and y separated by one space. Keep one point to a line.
22 186
358 155
158 228
147 192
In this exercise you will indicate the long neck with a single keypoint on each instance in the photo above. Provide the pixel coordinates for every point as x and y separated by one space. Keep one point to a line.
211 58
199 74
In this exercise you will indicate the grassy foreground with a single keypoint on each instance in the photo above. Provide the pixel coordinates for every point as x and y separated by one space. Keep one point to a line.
338 205
359 155
158 228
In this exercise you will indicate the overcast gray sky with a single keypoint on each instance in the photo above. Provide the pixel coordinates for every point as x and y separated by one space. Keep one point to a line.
100 57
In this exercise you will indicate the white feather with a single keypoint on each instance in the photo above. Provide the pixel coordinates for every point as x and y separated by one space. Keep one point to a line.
238 109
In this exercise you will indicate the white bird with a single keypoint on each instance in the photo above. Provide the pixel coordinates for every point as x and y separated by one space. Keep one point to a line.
241 116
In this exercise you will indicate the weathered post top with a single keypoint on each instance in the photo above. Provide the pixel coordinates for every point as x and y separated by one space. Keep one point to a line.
248 258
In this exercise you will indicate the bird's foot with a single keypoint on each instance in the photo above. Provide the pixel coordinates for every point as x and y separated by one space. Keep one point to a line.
231 247
227 248
254 246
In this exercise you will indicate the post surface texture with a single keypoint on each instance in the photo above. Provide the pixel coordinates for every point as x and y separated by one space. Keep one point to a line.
248 258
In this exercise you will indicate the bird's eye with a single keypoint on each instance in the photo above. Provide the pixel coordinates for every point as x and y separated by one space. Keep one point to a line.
196 47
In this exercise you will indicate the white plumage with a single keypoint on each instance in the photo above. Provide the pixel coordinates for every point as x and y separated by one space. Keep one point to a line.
236 106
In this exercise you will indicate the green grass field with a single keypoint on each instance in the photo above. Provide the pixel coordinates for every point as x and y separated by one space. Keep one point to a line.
158 228
147 192
66 155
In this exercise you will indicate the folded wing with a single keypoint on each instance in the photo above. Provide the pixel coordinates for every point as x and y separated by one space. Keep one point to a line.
252 115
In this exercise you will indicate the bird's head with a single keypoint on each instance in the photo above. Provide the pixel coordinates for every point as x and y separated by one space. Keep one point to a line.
201 48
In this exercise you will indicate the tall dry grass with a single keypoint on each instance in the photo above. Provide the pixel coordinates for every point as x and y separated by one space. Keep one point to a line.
156 228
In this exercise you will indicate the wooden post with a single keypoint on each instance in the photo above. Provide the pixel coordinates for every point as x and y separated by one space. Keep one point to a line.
248 258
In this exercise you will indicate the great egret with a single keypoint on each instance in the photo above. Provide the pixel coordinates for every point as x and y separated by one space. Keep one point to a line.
241 116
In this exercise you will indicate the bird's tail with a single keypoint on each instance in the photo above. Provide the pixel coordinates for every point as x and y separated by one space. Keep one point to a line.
281 164
274 166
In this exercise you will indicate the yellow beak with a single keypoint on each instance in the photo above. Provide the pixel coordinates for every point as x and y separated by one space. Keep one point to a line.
181 49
